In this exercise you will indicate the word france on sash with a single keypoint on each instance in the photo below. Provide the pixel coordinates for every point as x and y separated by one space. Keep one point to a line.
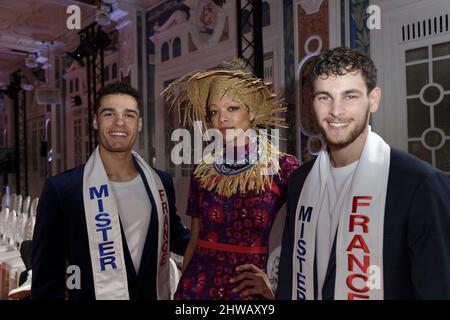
358 250
165 239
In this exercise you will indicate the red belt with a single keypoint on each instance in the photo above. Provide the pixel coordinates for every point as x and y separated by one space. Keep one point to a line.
230 247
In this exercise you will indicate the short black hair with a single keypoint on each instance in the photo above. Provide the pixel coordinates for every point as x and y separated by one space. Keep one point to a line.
341 60
117 88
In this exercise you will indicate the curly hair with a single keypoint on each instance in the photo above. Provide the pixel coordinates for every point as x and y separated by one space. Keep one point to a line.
341 60
117 88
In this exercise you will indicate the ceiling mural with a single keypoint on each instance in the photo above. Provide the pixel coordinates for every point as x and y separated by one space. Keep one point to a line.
29 26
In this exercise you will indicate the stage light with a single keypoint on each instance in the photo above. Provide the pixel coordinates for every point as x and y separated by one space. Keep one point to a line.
27 86
103 14
31 60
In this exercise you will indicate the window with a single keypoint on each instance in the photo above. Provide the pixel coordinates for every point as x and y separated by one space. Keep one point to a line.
77 85
176 47
77 141
114 71
165 52
71 86
265 14
106 73
427 101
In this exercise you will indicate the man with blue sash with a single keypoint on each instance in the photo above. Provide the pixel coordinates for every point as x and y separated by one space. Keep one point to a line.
111 222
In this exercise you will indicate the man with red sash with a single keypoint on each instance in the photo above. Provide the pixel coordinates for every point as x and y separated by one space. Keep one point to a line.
364 220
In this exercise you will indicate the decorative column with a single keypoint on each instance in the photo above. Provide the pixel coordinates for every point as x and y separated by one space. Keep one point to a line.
312 39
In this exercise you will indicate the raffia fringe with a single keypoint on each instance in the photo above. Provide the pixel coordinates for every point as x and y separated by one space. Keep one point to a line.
252 179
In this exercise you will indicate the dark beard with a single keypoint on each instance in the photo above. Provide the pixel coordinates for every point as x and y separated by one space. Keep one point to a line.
354 134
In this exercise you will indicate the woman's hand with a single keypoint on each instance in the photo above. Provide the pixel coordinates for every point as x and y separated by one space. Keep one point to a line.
252 281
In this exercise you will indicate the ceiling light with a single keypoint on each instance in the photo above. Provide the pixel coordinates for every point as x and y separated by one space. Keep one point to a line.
26 85
31 60
103 14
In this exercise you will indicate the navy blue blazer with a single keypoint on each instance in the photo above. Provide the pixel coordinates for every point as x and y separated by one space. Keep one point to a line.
416 250
60 238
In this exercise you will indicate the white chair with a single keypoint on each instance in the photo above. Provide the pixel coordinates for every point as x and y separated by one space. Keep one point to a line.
4 217
26 205
22 220
19 202
29 228
13 202
9 254
33 206
5 200
19 233
3 214
11 227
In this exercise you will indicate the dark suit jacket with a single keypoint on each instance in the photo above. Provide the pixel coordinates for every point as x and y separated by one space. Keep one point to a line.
416 250
60 238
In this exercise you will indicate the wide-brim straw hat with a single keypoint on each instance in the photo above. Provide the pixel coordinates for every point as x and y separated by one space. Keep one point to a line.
190 93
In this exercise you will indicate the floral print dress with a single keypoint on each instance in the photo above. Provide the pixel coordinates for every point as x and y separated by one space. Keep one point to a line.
243 220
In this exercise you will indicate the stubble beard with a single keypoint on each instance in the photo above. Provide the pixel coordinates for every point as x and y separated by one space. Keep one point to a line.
352 136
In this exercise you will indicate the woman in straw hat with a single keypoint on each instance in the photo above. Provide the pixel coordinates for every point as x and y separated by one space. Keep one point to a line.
232 203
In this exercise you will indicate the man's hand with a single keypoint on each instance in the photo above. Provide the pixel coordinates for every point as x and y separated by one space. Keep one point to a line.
252 281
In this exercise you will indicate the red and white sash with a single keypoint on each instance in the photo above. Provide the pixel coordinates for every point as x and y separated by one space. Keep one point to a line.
359 242
104 233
